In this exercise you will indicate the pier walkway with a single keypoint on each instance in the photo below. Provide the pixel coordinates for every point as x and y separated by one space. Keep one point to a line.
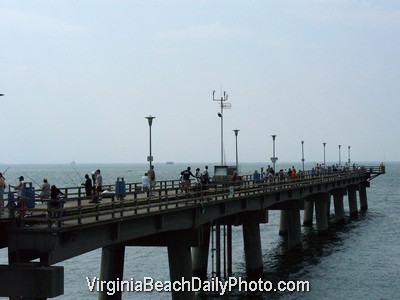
173 217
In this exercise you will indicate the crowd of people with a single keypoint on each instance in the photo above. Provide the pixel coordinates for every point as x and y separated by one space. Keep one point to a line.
201 179
94 184
49 193
292 172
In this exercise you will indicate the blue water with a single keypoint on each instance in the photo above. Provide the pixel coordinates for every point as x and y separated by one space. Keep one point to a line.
358 260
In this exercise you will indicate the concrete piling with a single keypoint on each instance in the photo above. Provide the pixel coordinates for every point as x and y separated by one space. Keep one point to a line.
283 230
308 212
320 212
339 207
200 254
352 197
112 268
363 196
294 229
180 266
252 245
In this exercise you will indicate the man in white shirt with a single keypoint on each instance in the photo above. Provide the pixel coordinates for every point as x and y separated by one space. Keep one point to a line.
146 183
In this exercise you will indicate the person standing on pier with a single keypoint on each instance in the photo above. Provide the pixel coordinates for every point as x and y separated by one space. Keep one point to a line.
94 176
186 177
99 180
88 186
198 177
152 179
97 186
205 172
46 193
18 188
2 188
56 203
146 183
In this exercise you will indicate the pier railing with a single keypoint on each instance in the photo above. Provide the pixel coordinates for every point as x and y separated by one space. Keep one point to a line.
76 209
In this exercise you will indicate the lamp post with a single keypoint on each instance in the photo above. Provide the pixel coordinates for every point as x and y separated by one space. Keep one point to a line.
324 154
349 157
302 153
223 105
222 137
274 159
150 120
340 158
236 131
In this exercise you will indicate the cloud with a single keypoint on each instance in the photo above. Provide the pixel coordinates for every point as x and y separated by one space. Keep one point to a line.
204 32
30 21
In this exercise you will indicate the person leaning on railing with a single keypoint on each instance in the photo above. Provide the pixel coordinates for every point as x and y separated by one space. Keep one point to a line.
55 202
46 190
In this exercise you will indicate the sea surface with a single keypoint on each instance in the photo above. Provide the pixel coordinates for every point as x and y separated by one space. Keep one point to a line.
360 260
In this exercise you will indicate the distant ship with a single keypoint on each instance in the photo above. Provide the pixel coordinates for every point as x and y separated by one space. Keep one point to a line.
169 162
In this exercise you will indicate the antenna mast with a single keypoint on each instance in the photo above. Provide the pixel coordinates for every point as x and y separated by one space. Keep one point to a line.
223 105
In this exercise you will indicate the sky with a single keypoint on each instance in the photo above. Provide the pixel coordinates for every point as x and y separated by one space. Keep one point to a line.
79 78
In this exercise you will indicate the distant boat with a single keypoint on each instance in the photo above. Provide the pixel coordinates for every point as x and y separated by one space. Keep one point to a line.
169 162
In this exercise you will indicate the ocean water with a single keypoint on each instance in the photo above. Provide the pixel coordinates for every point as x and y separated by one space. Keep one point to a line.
358 260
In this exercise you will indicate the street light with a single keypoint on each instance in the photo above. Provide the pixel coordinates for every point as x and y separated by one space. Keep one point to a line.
302 153
324 154
274 159
222 138
224 105
236 131
150 120
1 94
349 156
340 159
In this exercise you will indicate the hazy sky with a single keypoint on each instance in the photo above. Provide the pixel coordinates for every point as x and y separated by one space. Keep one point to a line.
79 77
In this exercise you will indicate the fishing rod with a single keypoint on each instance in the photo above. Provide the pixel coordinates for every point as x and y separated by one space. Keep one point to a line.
77 173
73 181
31 179
4 172
27 176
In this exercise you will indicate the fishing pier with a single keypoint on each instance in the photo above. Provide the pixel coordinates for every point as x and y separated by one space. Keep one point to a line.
188 222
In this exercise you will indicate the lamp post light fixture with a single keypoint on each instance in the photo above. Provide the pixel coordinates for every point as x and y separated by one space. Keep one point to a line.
150 157
324 154
223 105
236 131
274 159
302 154
340 158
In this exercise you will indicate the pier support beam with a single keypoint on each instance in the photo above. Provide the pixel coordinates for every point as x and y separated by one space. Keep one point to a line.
339 207
112 267
229 248
320 212
217 249
283 231
352 195
362 190
252 244
308 212
180 266
294 229
328 206
200 254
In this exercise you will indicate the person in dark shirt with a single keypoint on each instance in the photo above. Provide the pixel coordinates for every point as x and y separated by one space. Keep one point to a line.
55 202
186 177
88 186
